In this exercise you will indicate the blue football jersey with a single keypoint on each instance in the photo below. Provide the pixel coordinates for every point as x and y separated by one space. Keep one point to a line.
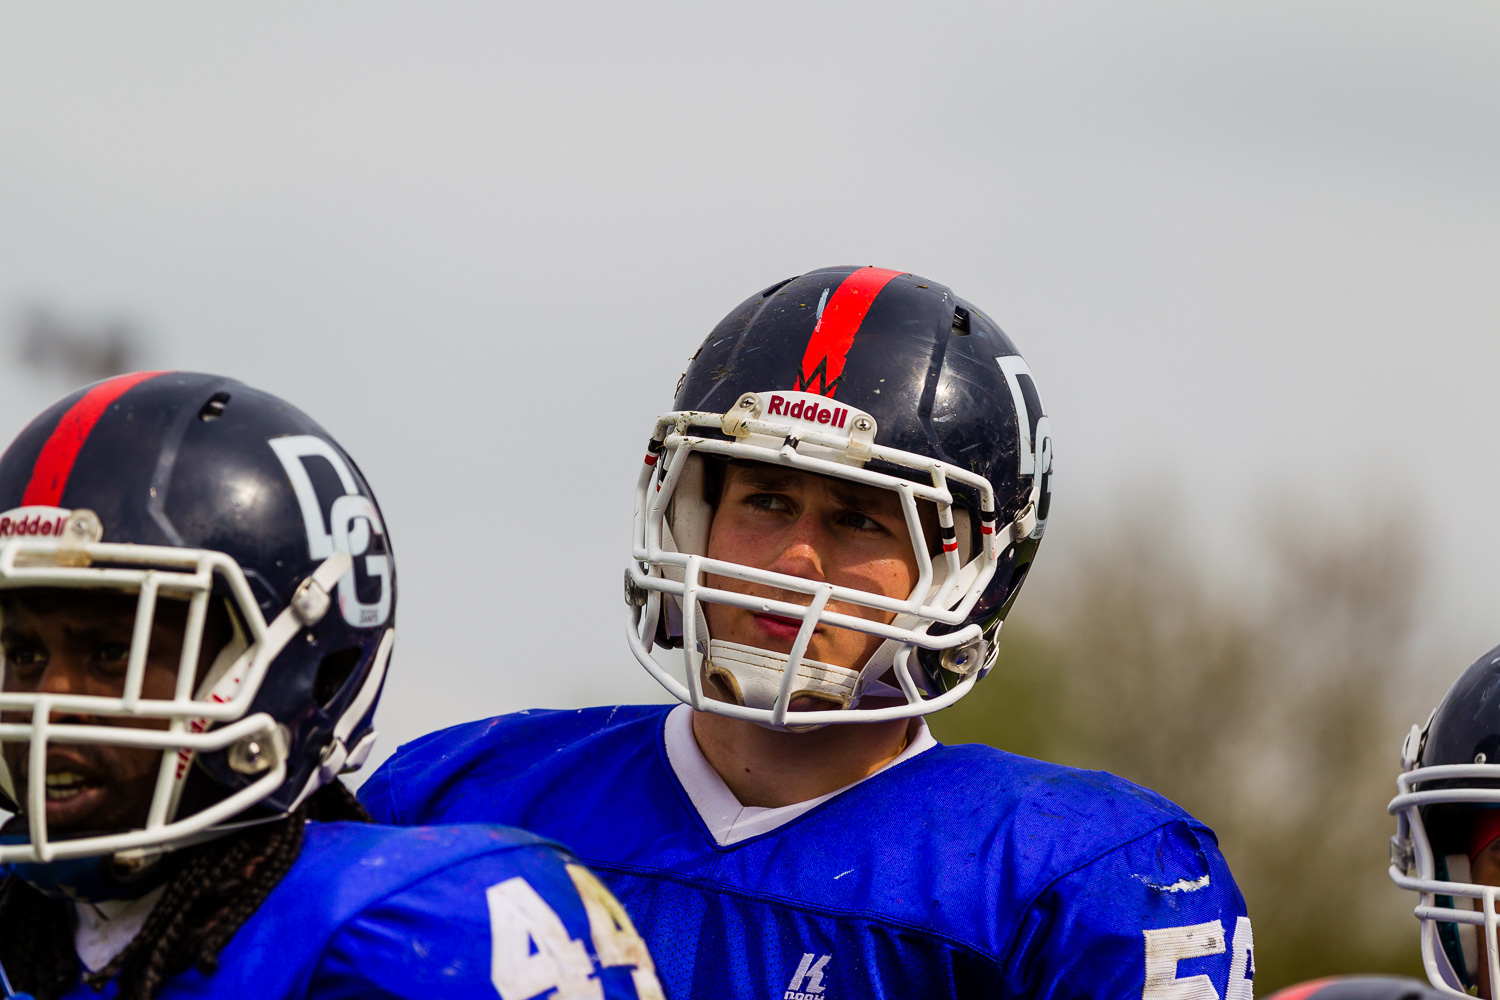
961 872
424 913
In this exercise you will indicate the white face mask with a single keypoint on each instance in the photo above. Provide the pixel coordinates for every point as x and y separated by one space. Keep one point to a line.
1455 912
667 588
201 717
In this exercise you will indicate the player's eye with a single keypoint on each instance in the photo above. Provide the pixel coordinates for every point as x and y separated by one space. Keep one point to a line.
112 657
767 501
860 522
24 660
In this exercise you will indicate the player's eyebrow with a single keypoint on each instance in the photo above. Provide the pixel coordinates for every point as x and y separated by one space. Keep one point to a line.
764 477
869 501
96 631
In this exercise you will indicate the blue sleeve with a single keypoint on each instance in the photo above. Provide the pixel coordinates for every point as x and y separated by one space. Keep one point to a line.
378 794
517 917
1158 917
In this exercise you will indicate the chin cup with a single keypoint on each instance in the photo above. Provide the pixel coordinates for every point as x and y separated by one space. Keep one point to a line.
752 676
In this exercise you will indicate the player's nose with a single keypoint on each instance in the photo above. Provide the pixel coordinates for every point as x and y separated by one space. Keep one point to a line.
802 550
62 675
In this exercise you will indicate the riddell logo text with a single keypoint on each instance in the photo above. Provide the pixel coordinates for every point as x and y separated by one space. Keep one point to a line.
36 526
807 410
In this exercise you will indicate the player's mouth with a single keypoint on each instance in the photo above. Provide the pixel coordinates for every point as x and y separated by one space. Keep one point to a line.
74 792
64 786
71 798
778 626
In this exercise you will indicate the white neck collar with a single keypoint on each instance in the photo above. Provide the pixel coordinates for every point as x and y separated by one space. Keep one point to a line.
106 929
727 820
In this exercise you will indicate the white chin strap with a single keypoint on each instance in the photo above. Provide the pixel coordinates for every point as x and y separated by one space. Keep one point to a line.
752 676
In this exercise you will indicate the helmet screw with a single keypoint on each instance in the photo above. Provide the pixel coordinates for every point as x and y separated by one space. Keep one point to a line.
82 528
84 524
1403 856
257 754
635 595
250 758
310 603
964 660
1480 758
861 423
747 402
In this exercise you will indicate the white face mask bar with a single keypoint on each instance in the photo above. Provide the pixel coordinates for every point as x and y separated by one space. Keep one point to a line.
665 570
1414 866
256 744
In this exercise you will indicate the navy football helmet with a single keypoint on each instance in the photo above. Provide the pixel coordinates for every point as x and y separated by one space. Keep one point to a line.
880 378
1448 806
1357 988
195 489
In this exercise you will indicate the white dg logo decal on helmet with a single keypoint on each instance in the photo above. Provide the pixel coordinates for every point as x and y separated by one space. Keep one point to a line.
352 520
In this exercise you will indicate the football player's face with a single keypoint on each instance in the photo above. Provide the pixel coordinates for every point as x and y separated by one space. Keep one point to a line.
817 528
78 642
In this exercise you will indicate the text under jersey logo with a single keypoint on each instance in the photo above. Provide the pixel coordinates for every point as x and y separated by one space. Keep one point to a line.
807 981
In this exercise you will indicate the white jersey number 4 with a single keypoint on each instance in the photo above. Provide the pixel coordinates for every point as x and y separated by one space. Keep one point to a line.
532 952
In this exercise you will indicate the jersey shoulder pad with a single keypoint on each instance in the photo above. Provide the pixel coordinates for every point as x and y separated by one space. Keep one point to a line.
432 769
1091 808
391 884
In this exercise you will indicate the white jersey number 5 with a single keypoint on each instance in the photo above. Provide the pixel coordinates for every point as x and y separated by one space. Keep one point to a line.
1166 946
532 952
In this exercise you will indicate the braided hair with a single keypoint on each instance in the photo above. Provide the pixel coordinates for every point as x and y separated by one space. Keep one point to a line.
217 887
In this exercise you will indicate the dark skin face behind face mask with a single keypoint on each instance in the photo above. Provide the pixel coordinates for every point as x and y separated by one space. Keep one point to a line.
58 641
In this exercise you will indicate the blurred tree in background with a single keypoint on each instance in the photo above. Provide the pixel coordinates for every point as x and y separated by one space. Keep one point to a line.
79 351
1270 704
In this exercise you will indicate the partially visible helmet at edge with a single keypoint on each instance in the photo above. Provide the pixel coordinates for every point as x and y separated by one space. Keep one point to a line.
1357 988
1447 810
199 490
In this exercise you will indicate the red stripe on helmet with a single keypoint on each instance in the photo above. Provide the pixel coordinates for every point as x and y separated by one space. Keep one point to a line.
828 348
49 477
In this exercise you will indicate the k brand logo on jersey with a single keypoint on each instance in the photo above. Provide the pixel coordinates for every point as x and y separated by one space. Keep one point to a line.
807 981
352 525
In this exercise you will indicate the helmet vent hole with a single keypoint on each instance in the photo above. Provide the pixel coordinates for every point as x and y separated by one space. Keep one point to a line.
333 674
775 288
960 321
214 408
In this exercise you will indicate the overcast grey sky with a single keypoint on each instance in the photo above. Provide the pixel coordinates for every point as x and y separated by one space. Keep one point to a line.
1248 248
